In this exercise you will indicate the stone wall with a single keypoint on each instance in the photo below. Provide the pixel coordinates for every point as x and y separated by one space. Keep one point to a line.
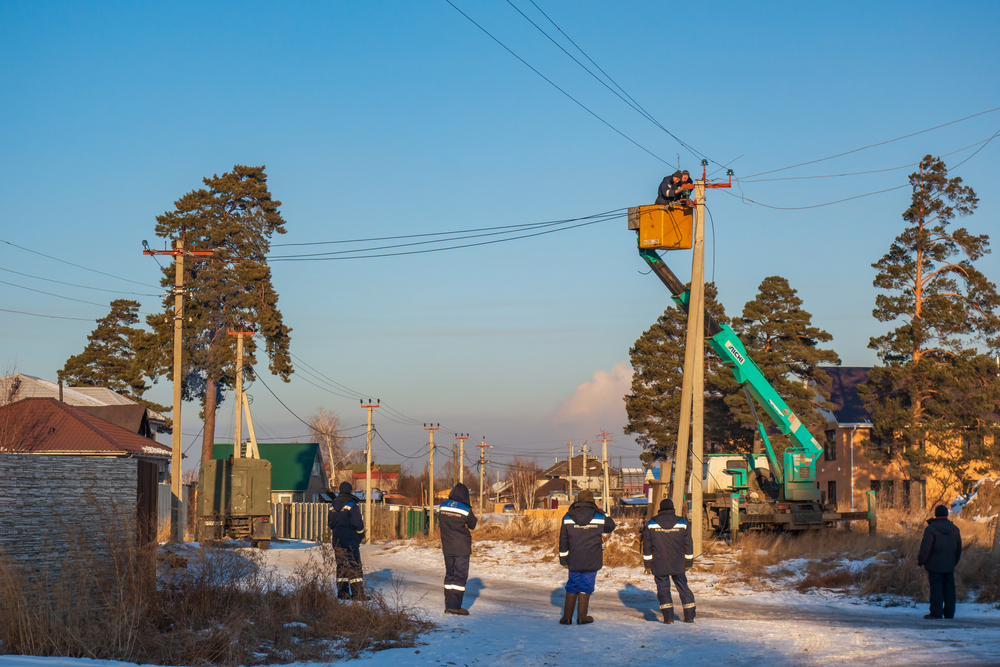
47 500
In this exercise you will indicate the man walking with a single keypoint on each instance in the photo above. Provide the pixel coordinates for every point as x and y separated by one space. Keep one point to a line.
348 529
582 551
457 523
668 550
940 551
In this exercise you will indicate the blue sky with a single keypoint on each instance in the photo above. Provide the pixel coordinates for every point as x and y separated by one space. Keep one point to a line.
402 118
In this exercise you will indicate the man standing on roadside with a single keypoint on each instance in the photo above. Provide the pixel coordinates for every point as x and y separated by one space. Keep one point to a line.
581 549
940 551
347 529
456 521
668 550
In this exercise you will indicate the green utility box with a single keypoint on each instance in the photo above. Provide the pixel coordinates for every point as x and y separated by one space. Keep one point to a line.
234 500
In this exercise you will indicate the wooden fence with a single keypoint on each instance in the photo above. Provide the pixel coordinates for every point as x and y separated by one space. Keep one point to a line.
308 521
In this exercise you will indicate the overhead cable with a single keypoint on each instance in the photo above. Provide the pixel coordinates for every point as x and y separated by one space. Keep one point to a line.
79 266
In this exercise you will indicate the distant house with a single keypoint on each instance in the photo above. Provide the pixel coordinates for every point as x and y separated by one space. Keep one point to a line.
385 476
590 479
29 386
297 473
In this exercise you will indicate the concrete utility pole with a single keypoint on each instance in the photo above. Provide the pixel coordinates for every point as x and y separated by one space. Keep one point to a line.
585 484
461 437
569 475
176 529
698 384
482 471
431 428
606 490
368 469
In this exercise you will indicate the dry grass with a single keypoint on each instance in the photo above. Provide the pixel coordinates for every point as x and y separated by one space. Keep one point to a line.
110 599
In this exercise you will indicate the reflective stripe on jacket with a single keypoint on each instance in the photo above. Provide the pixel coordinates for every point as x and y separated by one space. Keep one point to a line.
345 521
580 545
667 544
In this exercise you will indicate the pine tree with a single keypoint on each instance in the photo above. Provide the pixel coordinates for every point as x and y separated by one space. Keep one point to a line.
654 405
114 356
936 387
234 217
780 338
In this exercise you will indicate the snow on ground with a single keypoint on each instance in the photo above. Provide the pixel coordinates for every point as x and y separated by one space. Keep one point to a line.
515 599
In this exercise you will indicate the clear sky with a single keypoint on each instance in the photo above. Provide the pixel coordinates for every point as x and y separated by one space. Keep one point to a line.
394 118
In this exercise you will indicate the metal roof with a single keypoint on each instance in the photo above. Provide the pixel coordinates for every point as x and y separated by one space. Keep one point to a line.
291 462
35 387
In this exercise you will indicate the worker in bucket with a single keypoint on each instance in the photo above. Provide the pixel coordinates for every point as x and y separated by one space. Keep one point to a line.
684 188
582 551
940 551
668 550
457 521
669 190
348 529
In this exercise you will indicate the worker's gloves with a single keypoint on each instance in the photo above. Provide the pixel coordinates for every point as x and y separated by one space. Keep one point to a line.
564 561
647 566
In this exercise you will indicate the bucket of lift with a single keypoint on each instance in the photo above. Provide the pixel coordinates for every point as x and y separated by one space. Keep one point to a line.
666 227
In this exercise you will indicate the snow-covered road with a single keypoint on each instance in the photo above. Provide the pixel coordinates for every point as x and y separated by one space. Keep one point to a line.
515 601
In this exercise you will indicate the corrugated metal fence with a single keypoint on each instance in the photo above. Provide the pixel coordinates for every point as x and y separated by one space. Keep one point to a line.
163 494
308 521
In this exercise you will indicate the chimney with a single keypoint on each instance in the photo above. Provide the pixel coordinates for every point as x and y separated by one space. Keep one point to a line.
60 391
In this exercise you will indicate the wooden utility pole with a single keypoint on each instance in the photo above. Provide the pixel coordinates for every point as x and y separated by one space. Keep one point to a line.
606 487
242 404
585 484
431 428
368 469
176 529
461 437
482 471
569 475
454 463
698 384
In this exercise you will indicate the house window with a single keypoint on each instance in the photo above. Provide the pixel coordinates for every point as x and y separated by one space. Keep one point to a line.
830 446
971 444
831 492
913 494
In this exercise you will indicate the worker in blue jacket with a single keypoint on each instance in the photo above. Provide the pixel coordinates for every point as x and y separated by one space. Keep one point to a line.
457 523
668 550
348 529
581 549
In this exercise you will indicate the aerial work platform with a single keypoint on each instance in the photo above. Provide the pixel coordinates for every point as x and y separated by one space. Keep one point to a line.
662 226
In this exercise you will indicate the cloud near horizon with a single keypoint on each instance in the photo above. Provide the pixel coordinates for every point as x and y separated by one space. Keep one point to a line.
597 403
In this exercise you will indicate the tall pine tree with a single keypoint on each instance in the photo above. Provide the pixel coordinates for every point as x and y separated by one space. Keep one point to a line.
235 217
936 388
654 404
115 355
778 334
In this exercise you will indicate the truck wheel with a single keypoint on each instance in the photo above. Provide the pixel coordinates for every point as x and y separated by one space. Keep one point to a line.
262 544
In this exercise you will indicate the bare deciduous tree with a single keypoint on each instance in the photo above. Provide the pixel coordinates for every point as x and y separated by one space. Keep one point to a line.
325 427
522 475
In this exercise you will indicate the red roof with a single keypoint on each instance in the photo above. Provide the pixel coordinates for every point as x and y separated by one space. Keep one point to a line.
46 426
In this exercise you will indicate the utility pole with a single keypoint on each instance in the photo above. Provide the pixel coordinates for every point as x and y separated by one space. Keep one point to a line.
176 529
241 404
606 490
431 428
482 471
569 475
368 469
461 437
585 484
454 463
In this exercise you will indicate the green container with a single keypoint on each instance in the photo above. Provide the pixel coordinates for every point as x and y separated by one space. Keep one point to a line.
234 500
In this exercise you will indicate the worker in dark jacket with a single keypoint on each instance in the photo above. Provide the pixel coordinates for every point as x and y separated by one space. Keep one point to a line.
940 551
668 550
456 521
582 551
348 529
668 191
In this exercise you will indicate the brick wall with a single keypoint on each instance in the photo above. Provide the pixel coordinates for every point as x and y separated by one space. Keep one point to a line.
45 500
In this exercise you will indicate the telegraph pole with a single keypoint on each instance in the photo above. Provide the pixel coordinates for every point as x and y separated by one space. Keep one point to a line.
368 469
586 474
606 491
461 437
238 430
482 472
569 474
431 428
176 529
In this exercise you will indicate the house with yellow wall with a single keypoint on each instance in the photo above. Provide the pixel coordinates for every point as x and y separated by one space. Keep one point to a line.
844 473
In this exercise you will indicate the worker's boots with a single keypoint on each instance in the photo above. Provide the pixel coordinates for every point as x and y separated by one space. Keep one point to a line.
358 592
567 617
668 615
689 615
581 610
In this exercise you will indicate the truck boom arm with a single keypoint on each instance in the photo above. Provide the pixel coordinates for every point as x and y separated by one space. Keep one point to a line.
798 474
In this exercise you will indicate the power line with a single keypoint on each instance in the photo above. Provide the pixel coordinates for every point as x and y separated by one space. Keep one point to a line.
417 455
52 317
60 296
79 266
554 85
63 282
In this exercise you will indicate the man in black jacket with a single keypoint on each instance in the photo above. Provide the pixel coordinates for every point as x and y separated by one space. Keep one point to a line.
940 551
668 550
456 521
582 551
348 529
668 192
